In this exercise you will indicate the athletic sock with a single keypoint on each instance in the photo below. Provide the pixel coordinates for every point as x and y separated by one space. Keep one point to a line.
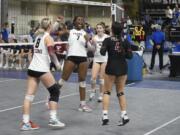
105 114
83 103
53 114
26 118
123 113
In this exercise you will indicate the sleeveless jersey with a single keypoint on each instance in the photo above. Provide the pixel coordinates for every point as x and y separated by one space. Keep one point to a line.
77 43
97 56
41 60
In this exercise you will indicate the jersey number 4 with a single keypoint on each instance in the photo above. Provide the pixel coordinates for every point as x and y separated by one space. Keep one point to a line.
37 42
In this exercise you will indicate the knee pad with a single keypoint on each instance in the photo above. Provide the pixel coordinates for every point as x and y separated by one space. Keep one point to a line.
61 82
54 92
107 93
29 98
82 84
101 81
120 94
93 81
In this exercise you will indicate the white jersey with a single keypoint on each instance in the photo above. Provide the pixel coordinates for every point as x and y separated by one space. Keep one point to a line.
77 43
97 56
41 60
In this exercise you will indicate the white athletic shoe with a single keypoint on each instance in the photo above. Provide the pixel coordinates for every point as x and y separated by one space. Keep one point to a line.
84 108
55 123
124 120
5 66
12 66
92 95
29 126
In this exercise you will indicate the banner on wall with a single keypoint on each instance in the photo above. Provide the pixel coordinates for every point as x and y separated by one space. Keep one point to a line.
137 33
165 1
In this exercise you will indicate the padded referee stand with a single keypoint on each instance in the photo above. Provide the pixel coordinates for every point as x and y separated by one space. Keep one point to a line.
135 66
175 61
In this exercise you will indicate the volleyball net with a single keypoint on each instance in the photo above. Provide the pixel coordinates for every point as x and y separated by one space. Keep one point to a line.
117 12
26 44
18 55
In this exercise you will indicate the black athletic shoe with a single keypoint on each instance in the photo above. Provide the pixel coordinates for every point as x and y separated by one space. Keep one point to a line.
124 120
105 120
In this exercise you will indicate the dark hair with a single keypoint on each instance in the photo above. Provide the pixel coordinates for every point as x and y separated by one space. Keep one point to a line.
116 29
69 24
15 40
6 24
75 18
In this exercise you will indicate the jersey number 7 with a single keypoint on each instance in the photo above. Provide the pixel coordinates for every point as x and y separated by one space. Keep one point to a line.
78 36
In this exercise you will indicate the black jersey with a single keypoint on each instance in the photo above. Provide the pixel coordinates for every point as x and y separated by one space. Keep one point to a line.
116 64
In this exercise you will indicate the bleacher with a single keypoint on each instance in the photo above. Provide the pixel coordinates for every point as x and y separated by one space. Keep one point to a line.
155 8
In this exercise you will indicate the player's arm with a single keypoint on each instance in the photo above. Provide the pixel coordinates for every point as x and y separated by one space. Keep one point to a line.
89 45
50 45
59 27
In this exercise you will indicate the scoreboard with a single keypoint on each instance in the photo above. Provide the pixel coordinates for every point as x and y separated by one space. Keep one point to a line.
137 33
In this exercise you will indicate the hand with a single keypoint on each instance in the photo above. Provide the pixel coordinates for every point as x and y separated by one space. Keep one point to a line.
158 47
58 66
86 37
93 42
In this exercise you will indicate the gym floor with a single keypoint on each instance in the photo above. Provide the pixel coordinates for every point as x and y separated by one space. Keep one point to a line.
153 107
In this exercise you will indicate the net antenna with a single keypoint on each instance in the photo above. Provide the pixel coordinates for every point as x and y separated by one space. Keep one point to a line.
117 12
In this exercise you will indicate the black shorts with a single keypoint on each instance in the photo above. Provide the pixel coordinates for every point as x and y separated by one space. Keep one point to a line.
116 68
60 56
77 60
35 74
100 63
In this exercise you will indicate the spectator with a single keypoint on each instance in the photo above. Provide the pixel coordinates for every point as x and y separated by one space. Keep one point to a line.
5 32
158 38
169 15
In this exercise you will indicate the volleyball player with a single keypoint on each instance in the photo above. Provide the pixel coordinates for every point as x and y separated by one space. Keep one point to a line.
77 56
39 70
99 62
115 71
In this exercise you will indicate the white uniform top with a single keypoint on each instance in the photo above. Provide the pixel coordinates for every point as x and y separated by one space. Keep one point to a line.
77 43
41 60
97 56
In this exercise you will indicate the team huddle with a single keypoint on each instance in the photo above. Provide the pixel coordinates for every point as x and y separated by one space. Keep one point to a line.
109 62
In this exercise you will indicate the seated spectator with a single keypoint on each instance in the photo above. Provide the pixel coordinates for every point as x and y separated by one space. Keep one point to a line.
1 54
26 54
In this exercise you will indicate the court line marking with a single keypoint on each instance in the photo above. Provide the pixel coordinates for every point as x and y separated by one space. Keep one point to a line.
38 102
42 101
162 126
8 80
130 84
